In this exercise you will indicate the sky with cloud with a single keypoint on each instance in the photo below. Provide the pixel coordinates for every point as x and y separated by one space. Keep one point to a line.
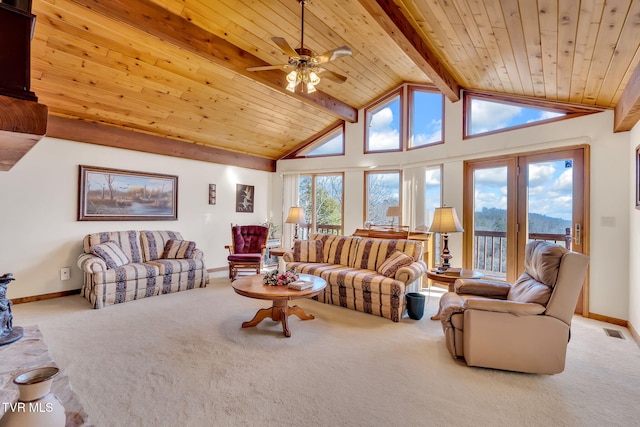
487 116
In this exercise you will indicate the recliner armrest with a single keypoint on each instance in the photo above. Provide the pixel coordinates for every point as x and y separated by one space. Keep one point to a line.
513 307
482 287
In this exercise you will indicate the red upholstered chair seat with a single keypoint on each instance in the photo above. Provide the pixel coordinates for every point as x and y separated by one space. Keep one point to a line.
244 257
248 243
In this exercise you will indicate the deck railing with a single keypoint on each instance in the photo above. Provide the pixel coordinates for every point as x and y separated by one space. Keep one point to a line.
304 230
491 249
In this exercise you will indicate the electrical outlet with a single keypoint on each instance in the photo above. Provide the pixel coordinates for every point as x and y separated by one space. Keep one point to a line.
65 273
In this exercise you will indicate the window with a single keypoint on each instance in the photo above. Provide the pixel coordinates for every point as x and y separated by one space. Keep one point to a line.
425 121
321 198
382 192
383 125
432 192
491 114
329 143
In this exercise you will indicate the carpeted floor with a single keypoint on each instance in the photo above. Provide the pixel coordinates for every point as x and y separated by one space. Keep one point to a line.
183 360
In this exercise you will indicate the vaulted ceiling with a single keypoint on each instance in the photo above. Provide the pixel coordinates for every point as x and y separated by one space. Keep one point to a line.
170 76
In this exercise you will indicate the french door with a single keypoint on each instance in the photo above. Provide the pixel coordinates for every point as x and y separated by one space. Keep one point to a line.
511 200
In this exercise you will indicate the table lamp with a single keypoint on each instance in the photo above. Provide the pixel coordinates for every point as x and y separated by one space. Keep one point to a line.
296 216
445 220
393 212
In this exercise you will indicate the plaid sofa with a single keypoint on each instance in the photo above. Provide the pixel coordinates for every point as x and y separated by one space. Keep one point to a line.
359 271
122 266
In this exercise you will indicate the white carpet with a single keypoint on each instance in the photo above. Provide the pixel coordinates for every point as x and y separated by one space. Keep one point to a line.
183 360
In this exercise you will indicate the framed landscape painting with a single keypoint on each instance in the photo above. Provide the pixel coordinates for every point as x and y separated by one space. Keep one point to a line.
244 198
121 195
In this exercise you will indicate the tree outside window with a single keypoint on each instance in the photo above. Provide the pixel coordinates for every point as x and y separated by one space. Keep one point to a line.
321 198
383 191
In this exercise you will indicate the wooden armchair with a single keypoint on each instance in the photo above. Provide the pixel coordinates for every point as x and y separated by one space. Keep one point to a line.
247 249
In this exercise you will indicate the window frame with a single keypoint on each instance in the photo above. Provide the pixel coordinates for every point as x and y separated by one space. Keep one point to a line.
411 90
366 192
379 105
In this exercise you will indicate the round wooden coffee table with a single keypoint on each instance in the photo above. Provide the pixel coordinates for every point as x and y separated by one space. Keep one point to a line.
449 278
253 287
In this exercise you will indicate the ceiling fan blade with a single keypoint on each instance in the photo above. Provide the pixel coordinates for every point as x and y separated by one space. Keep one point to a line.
332 76
268 67
333 54
285 47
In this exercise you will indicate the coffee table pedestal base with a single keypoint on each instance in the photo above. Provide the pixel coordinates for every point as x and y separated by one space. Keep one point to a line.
279 312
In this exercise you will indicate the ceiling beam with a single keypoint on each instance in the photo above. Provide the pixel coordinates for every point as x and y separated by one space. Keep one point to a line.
111 136
388 15
153 19
22 124
627 111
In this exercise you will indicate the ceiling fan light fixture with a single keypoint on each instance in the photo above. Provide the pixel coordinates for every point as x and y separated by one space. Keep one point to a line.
314 79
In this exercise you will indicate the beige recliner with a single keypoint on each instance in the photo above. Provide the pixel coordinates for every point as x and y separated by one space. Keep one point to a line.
523 327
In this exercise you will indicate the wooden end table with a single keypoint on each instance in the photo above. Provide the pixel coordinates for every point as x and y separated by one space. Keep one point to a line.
449 277
253 287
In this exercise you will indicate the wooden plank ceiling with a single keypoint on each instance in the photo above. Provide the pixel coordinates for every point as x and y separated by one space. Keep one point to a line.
176 69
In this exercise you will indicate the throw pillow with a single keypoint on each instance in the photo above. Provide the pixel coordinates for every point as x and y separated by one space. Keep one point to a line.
111 253
308 251
396 260
178 249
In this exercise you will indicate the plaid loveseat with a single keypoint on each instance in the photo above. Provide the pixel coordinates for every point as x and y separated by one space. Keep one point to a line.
122 266
364 274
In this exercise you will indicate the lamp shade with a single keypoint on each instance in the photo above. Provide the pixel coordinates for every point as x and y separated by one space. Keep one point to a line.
296 215
393 211
445 220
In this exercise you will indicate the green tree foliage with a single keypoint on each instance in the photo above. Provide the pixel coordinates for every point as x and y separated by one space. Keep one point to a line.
328 199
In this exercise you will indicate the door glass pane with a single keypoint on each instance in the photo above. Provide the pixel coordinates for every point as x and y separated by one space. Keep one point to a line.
490 221
320 196
550 201
328 204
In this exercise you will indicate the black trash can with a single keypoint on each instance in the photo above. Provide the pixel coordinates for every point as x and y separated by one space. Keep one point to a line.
415 305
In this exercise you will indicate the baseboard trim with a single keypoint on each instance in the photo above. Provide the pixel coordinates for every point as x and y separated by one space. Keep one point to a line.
215 270
608 319
45 296
634 334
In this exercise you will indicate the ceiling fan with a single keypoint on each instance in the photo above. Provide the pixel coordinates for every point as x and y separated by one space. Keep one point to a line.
304 67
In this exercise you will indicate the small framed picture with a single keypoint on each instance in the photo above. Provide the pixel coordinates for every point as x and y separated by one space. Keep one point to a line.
212 194
244 198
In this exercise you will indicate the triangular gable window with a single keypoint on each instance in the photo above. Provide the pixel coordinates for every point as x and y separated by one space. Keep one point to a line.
486 115
330 143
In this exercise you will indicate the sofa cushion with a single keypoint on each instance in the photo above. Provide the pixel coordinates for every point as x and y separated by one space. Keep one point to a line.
129 242
371 253
396 260
178 249
153 243
111 253
134 271
337 249
308 251
171 266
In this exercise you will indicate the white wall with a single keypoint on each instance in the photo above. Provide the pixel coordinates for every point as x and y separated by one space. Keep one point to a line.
610 169
634 233
39 198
